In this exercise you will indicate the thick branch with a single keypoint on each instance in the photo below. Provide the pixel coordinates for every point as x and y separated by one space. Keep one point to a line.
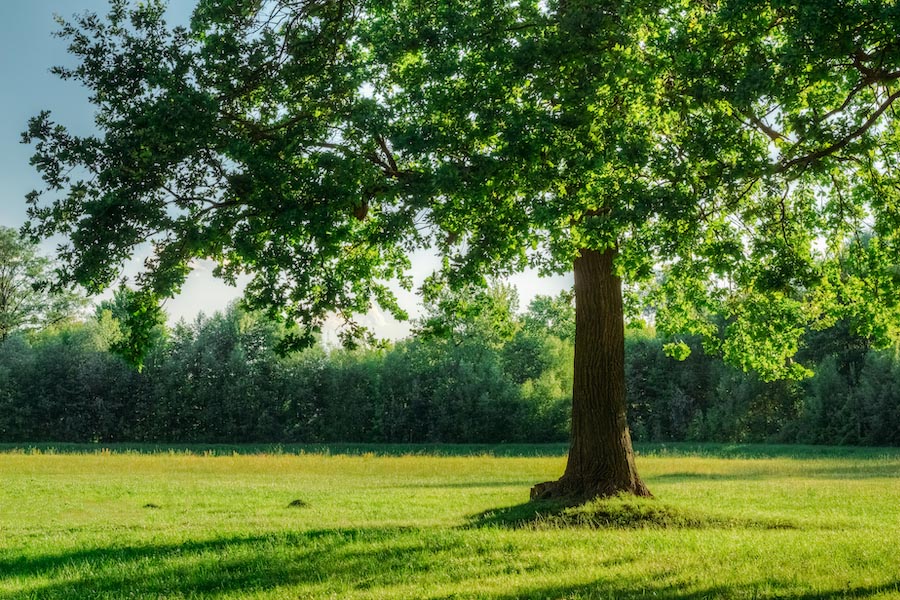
803 161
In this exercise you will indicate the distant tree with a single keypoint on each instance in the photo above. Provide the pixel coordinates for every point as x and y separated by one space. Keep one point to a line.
26 299
879 399
735 145
554 315
141 323
487 313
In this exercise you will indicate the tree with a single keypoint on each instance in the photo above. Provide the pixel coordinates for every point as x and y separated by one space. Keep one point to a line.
486 313
140 322
554 316
26 301
734 145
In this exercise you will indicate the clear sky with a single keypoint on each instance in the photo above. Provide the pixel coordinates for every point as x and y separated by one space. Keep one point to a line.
27 51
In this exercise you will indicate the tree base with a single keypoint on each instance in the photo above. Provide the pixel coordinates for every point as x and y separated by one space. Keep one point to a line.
573 490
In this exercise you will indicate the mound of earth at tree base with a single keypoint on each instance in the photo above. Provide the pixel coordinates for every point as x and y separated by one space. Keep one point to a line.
618 512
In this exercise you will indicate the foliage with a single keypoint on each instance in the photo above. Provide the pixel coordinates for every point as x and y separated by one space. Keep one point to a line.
741 147
140 321
62 384
488 313
220 379
552 315
26 300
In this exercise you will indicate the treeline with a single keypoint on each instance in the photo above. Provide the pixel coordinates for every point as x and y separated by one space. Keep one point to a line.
473 372
220 379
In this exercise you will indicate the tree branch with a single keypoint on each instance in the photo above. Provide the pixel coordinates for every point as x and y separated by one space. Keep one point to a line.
806 160
771 133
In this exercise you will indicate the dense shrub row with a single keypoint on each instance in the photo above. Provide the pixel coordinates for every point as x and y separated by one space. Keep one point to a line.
220 380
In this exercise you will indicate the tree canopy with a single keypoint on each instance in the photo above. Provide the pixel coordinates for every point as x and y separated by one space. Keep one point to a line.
740 147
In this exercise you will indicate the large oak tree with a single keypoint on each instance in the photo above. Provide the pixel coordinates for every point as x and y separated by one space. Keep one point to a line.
736 151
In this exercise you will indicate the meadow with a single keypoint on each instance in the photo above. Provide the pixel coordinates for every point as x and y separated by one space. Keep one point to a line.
443 522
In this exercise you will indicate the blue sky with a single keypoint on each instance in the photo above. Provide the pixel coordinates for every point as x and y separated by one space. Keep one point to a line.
28 50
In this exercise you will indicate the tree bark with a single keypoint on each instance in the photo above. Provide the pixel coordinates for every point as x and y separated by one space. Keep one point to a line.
601 459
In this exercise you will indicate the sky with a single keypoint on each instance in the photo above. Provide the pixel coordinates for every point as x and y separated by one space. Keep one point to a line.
28 50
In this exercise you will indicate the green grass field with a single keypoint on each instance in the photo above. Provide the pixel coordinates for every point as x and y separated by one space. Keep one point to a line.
211 522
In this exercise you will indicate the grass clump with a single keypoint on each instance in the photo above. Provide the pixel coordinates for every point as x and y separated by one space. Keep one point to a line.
628 513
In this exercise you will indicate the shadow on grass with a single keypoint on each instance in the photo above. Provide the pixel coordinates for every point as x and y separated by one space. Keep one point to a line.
860 469
524 483
614 513
686 477
647 587
755 451
376 562
363 558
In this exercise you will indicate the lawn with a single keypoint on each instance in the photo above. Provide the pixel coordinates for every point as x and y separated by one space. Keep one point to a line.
215 522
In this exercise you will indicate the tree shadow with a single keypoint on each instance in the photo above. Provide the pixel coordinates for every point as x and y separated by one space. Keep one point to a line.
466 485
685 477
373 561
654 586
614 513
368 557
860 470
857 470
519 516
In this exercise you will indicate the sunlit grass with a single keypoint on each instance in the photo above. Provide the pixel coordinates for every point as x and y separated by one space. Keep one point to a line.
195 523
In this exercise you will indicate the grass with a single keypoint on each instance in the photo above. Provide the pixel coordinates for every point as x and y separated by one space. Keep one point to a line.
326 449
199 522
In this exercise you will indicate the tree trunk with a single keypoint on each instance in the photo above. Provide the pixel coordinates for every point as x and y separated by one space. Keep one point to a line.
601 459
